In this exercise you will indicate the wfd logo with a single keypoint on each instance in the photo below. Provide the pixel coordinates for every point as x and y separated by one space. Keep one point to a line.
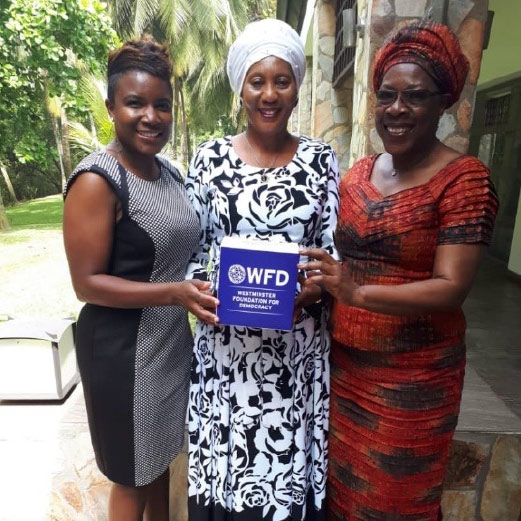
237 274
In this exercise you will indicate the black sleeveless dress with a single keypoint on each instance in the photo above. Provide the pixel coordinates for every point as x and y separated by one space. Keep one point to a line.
135 363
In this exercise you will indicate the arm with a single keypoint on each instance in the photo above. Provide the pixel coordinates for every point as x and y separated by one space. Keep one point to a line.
88 227
467 206
197 193
455 266
311 293
329 215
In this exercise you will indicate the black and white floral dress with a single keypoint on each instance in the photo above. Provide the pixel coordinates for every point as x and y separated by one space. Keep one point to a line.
259 399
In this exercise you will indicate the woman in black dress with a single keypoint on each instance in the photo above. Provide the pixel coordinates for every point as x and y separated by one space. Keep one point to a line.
129 231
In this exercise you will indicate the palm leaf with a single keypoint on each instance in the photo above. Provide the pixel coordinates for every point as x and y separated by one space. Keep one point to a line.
144 15
82 139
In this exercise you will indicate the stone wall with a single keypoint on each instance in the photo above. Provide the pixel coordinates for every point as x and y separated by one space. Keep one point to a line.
483 481
301 118
332 108
362 116
465 17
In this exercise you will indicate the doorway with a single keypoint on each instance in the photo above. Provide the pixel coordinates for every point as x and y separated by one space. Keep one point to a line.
495 138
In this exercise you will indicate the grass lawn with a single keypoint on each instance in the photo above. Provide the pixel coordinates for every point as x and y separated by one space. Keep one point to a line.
34 276
40 213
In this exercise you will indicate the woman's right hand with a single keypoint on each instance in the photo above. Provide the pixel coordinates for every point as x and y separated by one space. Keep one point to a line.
194 295
331 275
90 216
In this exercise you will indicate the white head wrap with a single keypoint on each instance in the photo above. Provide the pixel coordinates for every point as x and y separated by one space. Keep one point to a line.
269 37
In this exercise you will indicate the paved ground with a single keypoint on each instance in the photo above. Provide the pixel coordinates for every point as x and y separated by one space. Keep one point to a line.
493 311
48 471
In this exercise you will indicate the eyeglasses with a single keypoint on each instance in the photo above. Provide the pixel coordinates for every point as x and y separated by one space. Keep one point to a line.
411 98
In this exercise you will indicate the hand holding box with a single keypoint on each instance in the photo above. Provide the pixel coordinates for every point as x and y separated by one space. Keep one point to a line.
257 283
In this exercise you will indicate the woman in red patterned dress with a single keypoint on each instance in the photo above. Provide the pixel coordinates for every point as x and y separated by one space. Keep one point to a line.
412 227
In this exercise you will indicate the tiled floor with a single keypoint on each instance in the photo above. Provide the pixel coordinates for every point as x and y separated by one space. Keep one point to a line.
493 311
47 468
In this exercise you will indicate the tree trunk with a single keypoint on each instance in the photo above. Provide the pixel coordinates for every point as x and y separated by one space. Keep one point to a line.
175 132
188 145
54 110
185 143
8 184
93 131
4 221
67 164
57 138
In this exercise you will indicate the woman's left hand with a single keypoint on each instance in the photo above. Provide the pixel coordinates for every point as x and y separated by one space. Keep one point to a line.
331 275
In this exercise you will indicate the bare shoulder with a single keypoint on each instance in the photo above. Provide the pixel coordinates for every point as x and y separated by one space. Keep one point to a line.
91 185
449 154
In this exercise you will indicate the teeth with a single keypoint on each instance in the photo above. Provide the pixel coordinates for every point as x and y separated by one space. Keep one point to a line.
396 130
148 134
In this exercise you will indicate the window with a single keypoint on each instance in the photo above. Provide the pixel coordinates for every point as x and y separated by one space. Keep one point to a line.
497 110
344 56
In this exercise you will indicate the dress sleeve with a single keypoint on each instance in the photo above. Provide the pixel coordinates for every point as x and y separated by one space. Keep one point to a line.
197 191
330 211
467 207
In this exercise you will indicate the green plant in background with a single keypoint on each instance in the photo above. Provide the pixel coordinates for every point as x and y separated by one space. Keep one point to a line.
52 51
99 131
42 42
199 33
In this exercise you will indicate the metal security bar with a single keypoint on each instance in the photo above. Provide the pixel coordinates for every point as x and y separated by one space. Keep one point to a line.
344 55
497 110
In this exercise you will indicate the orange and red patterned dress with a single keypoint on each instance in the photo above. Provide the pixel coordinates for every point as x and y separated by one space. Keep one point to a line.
396 381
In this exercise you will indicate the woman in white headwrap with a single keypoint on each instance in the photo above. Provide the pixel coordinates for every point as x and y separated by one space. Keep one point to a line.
259 399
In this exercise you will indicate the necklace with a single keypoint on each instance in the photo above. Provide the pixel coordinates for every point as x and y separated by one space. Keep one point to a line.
420 162
256 157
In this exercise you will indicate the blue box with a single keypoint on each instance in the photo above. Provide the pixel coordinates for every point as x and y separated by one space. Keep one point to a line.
257 283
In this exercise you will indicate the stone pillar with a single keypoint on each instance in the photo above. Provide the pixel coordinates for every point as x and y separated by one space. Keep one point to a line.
300 120
362 100
465 17
305 100
332 107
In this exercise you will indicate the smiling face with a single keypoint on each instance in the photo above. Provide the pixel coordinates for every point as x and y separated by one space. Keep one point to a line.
142 111
409 127
269 95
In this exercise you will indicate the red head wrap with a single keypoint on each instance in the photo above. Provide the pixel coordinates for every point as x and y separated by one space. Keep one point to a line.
432 46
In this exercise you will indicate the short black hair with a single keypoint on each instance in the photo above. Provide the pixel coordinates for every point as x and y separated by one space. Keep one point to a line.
145 55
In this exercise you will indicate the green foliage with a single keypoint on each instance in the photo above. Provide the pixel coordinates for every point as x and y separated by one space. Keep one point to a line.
199 33
45 48
209 89
32 149
95 130
41 42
